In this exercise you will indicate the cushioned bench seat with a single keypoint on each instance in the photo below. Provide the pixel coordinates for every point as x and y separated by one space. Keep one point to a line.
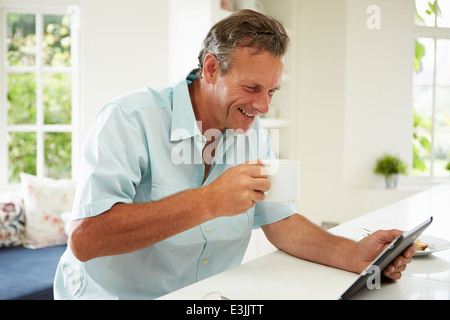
27 274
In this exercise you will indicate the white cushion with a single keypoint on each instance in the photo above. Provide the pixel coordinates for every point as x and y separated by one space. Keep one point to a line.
45 200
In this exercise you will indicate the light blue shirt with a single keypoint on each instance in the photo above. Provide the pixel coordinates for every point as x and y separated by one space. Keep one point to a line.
145 146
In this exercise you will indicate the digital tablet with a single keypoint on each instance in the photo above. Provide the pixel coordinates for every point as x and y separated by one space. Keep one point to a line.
386 257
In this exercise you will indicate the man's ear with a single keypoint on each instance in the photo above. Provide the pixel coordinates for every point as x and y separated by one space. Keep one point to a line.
210 68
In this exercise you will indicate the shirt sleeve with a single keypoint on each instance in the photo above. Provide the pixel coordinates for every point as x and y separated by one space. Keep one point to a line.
270 212
114 160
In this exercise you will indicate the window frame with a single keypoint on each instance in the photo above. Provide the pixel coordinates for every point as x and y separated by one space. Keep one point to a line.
40 128
432 32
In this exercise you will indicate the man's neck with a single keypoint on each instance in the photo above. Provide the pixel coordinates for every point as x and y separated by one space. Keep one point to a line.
201 104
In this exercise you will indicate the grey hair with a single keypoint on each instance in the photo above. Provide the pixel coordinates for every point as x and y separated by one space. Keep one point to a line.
244 28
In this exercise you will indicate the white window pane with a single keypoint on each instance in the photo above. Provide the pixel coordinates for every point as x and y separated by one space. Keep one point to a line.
443 107
425 75
57 98
424 19
57 41
443 61
21 155
58 155
441 153
443 20
423 104
21 98
21 39
421 152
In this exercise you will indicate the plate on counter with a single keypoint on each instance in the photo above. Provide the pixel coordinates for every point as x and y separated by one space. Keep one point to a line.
435 244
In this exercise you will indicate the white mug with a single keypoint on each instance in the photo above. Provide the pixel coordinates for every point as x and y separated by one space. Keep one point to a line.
284 177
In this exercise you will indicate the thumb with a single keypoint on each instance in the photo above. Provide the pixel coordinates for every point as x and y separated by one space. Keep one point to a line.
387 236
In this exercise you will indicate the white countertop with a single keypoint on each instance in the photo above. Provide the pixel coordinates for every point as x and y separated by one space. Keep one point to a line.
278 276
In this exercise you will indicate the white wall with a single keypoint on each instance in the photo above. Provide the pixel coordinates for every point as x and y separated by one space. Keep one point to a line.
189 22
378 114
124 46
321 104
354 103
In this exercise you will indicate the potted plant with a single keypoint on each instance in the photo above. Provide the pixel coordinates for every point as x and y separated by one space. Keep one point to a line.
390 167
448 166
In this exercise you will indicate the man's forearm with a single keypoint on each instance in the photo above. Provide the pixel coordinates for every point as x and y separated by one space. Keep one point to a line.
129 227
299 237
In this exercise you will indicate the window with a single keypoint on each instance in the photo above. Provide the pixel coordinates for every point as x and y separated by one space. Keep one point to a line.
38 94
431 89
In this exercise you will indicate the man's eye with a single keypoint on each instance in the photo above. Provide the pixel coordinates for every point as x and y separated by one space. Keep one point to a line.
250 89
272 92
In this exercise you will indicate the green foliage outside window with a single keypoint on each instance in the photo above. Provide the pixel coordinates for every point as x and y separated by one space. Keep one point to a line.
22 94
21 98
422 140
22 154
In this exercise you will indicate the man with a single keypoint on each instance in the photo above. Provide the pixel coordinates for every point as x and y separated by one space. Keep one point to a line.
160 205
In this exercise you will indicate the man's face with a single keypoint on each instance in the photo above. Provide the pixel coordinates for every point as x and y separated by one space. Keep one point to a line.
246 90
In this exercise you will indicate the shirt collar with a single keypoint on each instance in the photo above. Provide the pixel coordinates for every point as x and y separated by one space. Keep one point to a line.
184 124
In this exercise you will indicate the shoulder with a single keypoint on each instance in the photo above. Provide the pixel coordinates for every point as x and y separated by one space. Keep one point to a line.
144 98
132 108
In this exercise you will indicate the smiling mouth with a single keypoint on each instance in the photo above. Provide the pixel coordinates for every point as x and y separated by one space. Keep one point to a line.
246 113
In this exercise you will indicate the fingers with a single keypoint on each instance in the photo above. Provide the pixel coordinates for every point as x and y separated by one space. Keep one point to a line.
392 275
395 269
239 188
408 253
258 175
254 179
259 184
378 241
256 169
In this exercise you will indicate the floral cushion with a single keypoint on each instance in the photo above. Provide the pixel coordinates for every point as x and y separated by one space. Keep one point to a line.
45 200
12 225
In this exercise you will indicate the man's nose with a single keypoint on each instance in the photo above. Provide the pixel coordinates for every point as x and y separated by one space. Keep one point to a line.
261 103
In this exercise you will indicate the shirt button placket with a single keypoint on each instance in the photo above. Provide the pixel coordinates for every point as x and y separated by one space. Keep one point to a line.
199 142
204 269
